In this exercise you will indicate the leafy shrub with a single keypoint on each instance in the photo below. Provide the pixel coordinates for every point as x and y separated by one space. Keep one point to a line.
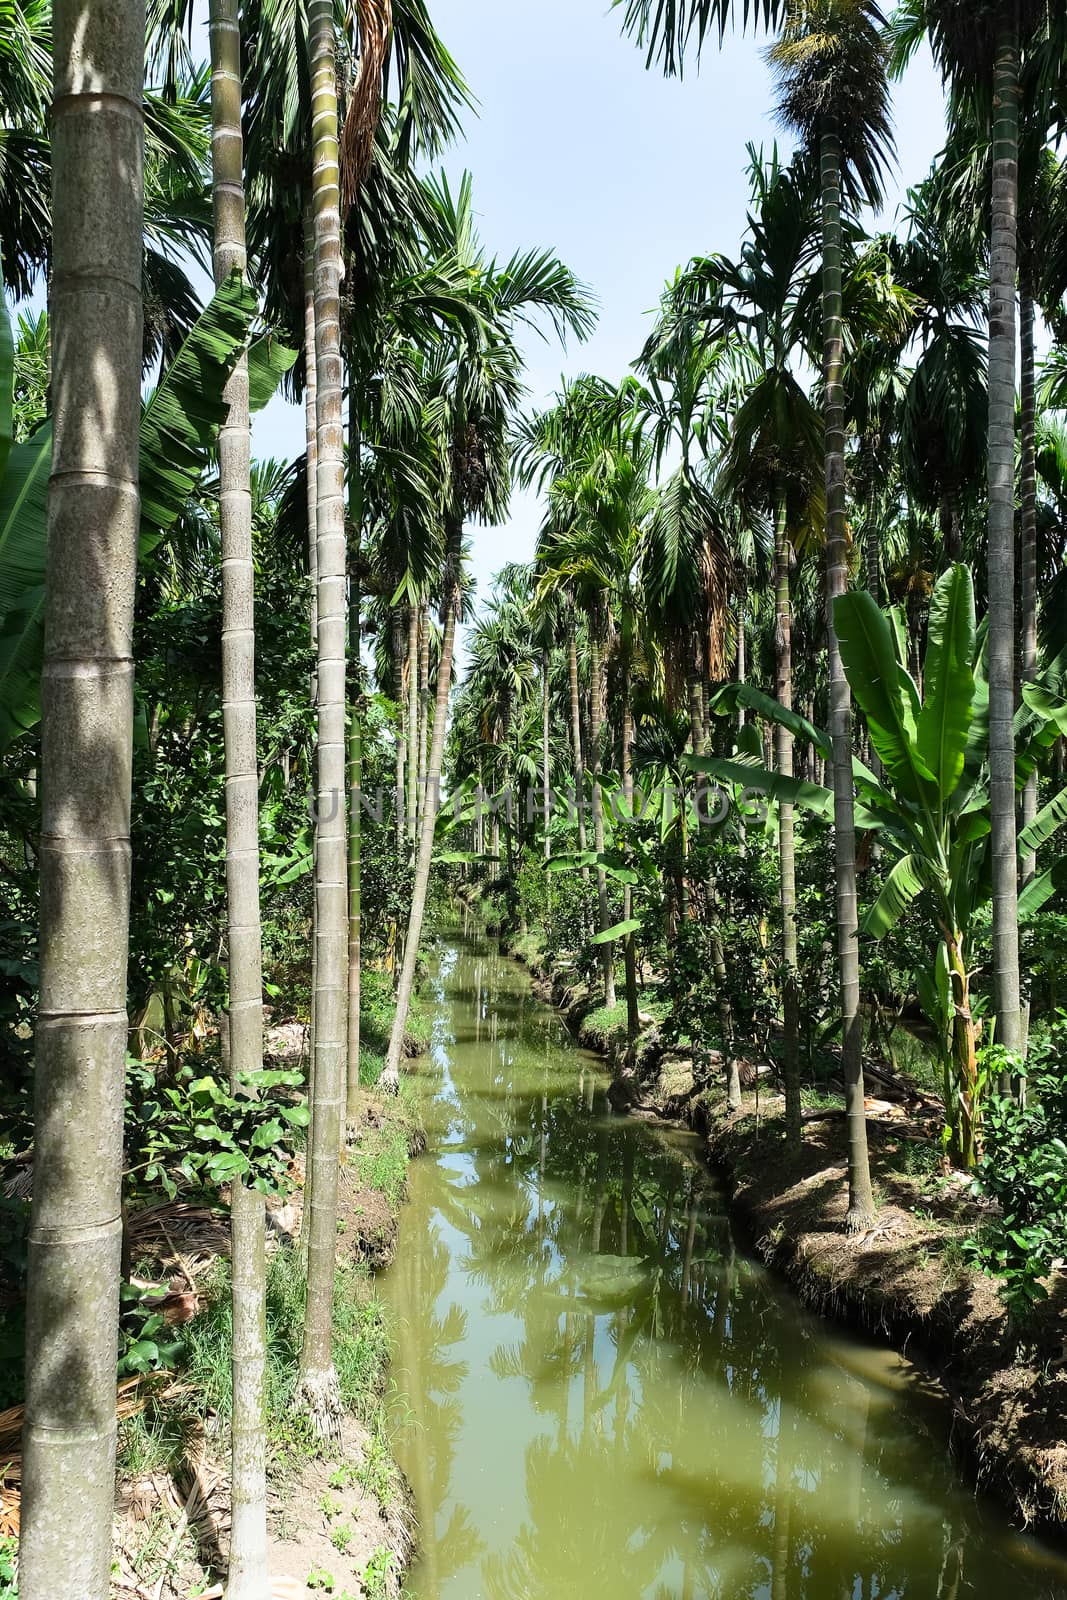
197 1128
1024 1169
9 1552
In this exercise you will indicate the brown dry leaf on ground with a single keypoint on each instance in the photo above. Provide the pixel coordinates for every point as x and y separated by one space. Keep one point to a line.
280 1589
180 1235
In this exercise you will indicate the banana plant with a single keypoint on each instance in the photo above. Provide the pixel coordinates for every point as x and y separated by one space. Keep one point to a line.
180 421
930 808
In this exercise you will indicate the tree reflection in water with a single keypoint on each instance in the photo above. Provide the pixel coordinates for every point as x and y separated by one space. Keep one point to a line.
603 1397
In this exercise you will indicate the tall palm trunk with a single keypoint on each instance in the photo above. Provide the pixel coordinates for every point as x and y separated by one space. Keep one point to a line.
1028 532
783 652
75 1241
390 1079
413 723
401 741
311 429
546 762
595 736
355 757
576 729
424 694
1002 333
244 1023
860 1195
633 1021
318 1388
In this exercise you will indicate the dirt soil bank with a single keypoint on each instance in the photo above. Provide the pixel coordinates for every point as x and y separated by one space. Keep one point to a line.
906 1280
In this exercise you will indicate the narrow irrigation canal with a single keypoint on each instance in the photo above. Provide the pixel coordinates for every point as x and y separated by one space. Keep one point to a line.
601 1395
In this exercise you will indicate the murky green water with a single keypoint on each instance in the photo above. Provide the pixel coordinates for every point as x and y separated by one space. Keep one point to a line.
602 1396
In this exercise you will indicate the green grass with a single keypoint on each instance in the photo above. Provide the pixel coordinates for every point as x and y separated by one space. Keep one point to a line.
381 1157
157 1437
371 1066
608 1023
376 1011
527 947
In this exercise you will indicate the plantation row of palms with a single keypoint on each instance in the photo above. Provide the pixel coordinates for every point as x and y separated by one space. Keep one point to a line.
721 536
364 282
181 633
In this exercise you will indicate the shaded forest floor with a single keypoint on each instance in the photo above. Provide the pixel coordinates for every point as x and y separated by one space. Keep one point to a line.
908 1279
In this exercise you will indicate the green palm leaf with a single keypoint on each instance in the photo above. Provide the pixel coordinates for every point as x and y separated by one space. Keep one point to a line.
181 421
179 428
1041 889
1047 823
7 381
620 931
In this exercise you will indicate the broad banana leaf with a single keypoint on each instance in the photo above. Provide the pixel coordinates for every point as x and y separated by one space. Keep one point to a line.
1047 703
734 695
810 796
179 428
948 708
619 931
909 877
935 996
882 689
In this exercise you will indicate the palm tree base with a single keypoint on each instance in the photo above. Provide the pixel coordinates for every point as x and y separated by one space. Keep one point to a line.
858 1219
318 1396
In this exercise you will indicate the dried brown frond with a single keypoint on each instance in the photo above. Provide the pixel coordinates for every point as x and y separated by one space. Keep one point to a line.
179 1236
374 19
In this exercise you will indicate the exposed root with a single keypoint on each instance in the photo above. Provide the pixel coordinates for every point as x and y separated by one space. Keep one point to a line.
318 1396
389 1082
858 1221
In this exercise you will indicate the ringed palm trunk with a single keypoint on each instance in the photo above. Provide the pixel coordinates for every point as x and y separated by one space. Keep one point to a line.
1028 533
390 1080
860 1195
546 763
424 694
75 1240
401 743
786 844
576 730
413 723
608 950
355 760
318 1389
355 896
1002 333
247 1578
311 428
633 1021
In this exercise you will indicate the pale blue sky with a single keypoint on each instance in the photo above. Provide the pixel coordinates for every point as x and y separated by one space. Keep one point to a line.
626 175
